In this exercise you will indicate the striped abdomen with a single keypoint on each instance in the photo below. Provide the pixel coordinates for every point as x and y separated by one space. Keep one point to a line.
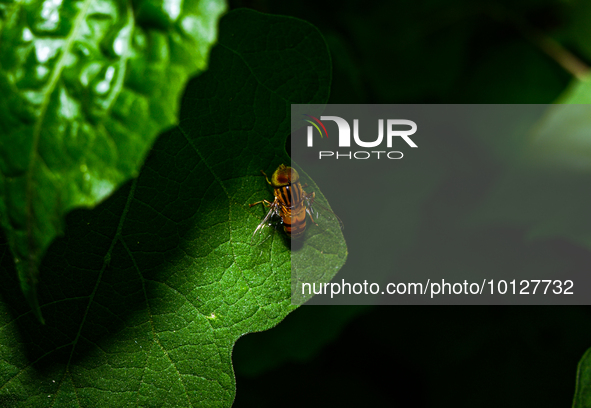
293 210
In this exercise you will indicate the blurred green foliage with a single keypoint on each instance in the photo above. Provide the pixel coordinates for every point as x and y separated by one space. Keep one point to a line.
449 52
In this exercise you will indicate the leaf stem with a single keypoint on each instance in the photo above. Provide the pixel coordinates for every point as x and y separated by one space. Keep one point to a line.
548 45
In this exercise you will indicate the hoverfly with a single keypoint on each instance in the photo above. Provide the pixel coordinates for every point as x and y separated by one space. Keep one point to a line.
291 202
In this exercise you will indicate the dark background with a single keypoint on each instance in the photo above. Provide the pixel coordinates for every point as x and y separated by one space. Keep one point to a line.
503 356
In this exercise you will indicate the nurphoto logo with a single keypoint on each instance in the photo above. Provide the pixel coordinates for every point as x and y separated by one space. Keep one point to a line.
394 128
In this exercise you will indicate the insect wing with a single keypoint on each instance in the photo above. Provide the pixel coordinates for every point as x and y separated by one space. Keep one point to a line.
311 205
273 210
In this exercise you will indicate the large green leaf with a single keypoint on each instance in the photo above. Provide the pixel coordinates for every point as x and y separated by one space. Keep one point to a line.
146 294
86 87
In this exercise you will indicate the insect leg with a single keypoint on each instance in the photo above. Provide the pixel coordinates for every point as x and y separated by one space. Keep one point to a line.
264 202
266 178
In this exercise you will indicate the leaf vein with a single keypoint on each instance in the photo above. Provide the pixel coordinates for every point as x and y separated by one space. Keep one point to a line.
153 328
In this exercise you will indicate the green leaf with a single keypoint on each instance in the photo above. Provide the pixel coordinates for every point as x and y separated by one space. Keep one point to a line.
578 92
583 387
146 294
86 87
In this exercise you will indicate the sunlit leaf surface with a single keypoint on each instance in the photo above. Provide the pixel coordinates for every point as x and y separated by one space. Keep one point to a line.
86 86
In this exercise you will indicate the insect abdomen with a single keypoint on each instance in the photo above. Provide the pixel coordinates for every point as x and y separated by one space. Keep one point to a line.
294 224
293 212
